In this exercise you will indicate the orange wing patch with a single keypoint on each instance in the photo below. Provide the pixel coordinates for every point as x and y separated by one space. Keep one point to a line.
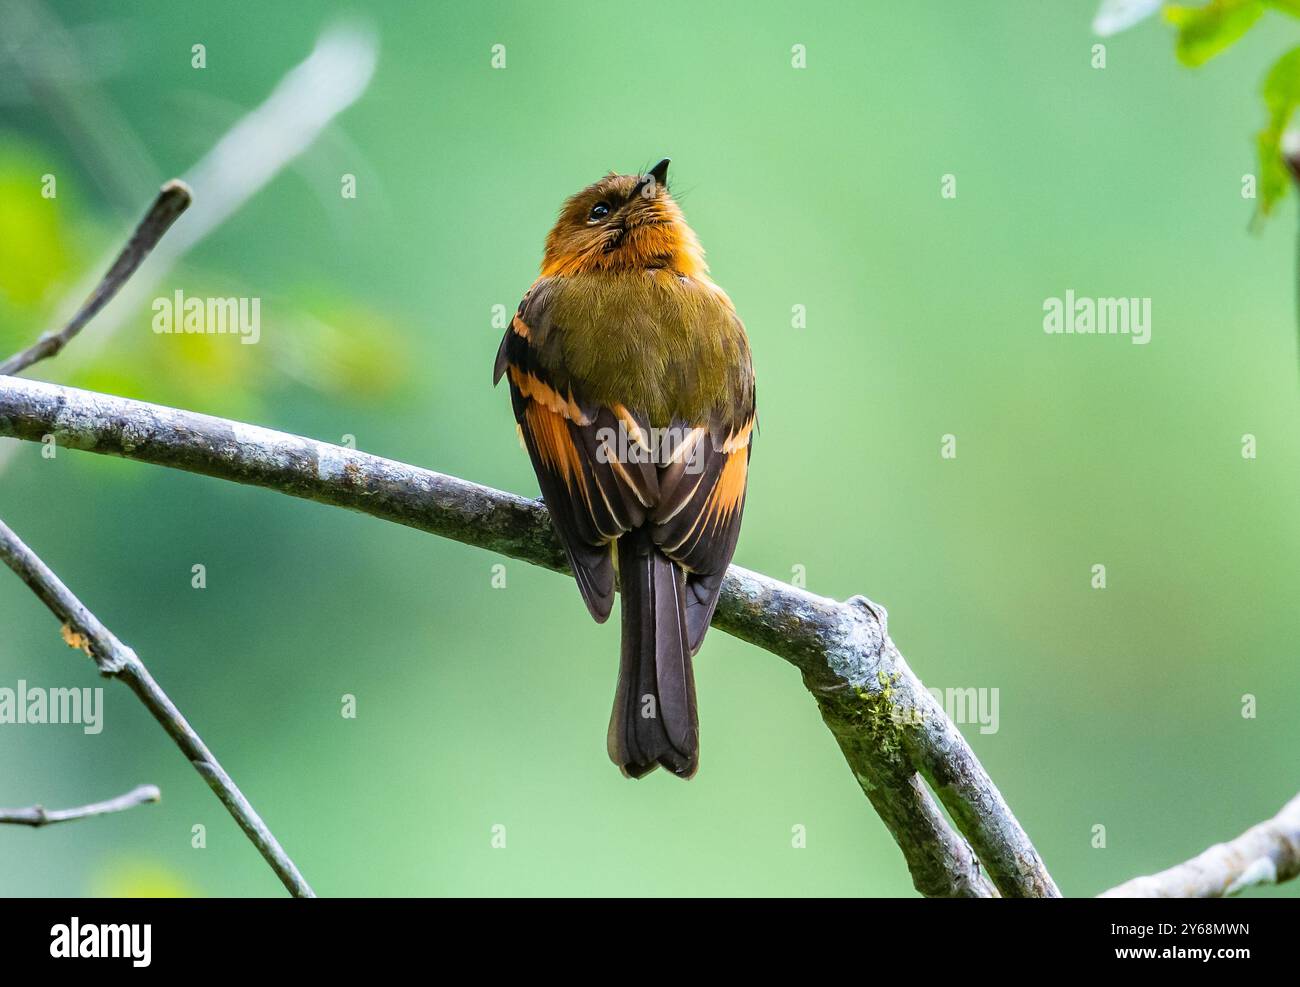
740 438
542 393
729 491
555 446
722 502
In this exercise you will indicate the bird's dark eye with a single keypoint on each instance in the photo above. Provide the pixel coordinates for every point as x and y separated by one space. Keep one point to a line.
598 212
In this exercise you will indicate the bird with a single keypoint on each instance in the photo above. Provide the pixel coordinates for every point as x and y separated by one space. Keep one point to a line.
632 386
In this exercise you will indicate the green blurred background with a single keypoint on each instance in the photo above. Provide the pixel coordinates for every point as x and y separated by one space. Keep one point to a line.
480 707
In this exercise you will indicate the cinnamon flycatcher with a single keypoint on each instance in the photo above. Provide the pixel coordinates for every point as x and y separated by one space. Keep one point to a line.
631 381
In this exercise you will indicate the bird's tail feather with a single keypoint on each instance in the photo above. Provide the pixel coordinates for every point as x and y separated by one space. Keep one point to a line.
654 720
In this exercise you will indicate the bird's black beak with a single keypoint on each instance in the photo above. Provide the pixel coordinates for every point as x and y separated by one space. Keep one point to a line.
658 174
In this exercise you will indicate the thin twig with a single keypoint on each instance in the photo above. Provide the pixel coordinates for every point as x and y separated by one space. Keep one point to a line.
37 815
243 161
887 724
1265 854
83 629
173 199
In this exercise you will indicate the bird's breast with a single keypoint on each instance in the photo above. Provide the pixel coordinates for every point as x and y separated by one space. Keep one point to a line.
667 345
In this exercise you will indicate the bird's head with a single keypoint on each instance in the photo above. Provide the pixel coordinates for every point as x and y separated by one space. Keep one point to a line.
623 223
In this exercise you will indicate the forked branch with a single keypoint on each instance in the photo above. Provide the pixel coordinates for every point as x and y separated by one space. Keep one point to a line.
890 728
114 659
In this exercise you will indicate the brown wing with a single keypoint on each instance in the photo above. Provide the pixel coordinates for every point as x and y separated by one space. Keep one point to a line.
697 519
603 471
592 497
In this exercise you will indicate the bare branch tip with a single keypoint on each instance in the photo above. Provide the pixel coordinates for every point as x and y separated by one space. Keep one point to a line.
177 186
37 815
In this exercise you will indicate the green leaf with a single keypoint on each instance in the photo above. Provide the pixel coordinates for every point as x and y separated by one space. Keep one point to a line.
1204 32
1281 89
1281 92
1273 175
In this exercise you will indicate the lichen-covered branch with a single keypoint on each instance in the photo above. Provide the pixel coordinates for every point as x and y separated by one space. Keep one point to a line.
1265 854
887 724
82 629
37 815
